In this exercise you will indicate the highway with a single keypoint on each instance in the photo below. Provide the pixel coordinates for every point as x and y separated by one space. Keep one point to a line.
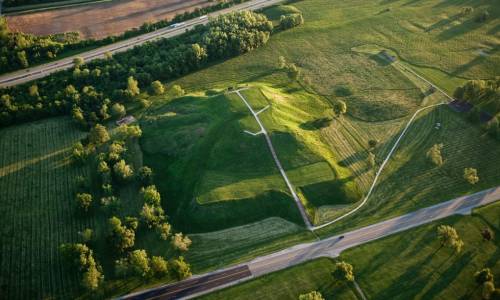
40 71
330 247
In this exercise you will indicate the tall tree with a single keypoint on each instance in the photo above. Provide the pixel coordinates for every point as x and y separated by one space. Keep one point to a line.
448 237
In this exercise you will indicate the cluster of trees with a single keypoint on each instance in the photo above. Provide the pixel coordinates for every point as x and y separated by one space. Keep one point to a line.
314 295
485 96
291 20
107 154
485 279
88 91
80 257
20 50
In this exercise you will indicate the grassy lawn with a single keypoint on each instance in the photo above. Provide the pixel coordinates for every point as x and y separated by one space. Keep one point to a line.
407 265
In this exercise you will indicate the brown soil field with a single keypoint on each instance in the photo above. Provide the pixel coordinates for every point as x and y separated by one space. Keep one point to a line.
101 19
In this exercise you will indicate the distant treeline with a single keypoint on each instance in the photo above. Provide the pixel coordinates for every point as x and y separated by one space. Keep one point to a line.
485 96
19 50
90 89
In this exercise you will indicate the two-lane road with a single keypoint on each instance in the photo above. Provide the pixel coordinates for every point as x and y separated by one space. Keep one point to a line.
40 71
330 247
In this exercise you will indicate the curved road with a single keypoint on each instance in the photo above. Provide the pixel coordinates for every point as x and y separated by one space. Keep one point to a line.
40 71
330 247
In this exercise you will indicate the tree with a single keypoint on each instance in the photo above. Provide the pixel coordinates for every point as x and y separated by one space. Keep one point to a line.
181 268
339 108
434 154
372 143
488 289
22 59
122 236
78 61
98 135
115 150
150 195
371 159
77 115
103 167
33 91
152 215
483 276
86 235
281 62
132 86
146 175
314 295
84 200
164 229
157 87
159 266
78 154
449 237
292 71
487 234
470 174
118 110
177 90
123 171
291 20
139 262
467 10
343 272
495 295
180 242
128 131
92 277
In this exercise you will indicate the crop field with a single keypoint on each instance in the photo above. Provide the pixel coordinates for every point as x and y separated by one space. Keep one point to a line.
407 265
100 20
37 187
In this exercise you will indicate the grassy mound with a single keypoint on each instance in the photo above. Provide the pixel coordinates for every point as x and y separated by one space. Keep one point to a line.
217 175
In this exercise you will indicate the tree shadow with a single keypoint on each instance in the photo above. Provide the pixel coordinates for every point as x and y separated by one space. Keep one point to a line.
454 31
316 124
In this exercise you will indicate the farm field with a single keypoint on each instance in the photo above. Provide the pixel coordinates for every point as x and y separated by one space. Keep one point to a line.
100 20
407 265
37 187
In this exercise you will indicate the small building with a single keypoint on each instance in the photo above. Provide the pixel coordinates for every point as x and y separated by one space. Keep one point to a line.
126 120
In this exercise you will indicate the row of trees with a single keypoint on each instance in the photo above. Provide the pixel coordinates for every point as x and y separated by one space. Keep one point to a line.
22 50
485 96
90 90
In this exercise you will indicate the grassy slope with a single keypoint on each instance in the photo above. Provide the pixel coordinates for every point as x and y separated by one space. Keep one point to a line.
404 266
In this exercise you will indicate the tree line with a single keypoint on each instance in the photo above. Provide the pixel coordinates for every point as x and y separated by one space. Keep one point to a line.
90 90
22 50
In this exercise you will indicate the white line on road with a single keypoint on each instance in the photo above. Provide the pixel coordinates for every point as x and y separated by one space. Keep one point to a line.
278 163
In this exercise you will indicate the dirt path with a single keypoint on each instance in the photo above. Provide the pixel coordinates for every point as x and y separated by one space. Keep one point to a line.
276 160
100 20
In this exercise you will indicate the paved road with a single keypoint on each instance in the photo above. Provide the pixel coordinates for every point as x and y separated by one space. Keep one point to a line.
277 161
33 73
330 247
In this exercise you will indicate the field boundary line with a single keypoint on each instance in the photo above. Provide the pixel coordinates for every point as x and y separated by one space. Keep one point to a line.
382 166
278 163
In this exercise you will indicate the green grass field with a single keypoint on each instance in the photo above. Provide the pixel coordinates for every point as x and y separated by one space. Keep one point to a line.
407 265
37 187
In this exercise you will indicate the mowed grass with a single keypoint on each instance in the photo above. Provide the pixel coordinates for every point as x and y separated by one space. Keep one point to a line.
409 181
407 265
37 188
